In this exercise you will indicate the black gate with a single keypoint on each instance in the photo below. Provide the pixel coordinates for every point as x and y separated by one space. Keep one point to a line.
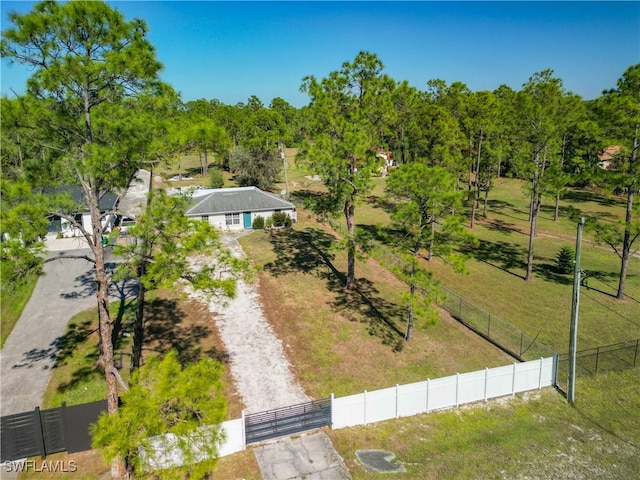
42 432
21 436
287 420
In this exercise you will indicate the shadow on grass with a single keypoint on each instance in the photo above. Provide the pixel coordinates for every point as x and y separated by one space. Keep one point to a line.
502 255
165 329
381 203
551 273
572 213
308 251
506 209
582 196
77 334
505 228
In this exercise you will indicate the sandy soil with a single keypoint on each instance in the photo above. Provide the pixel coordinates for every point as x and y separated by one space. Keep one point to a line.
258 364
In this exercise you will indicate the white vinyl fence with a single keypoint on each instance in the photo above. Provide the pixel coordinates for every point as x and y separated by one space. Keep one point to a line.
399 401
447 392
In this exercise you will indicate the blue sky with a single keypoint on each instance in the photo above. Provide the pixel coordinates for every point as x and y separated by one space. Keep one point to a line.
232 50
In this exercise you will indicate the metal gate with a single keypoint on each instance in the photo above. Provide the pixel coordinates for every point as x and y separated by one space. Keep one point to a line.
42 432
287 420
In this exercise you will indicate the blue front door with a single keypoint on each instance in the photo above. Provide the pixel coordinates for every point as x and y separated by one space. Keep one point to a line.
247 219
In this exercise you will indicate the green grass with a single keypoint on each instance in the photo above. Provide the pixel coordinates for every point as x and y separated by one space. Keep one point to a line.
12 304
541 308
75 378
537 435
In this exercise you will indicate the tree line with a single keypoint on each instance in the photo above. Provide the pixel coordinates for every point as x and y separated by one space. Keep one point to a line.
95 112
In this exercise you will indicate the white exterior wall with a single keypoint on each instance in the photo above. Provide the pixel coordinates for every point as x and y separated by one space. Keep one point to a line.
220 222
69 231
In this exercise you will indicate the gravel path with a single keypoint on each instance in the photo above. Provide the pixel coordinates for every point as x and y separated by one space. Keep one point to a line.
258 363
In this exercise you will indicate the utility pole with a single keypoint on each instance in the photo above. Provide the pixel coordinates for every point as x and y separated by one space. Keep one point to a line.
573 338
284 161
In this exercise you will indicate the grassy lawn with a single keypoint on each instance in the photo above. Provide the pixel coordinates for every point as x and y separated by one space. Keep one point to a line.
12 305
497 266
537 435
346 342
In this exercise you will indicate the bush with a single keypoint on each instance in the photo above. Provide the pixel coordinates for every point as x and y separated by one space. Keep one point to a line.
258 223
565 260
281 219
269 223
216 180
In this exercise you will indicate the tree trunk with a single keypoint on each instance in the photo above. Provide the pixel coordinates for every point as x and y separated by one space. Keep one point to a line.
626 241
486 198
349 215
535 208
476 190
409 335
106 360
431 239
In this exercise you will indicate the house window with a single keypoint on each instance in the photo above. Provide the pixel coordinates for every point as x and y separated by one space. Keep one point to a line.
205 218
232 218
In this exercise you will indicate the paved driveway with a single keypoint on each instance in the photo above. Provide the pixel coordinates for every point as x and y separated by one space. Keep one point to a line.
29 353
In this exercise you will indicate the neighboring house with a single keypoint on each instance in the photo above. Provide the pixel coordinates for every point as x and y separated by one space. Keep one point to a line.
237 208
607 157
64 228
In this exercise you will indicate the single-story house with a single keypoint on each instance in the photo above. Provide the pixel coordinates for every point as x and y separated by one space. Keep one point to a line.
62 226
236 208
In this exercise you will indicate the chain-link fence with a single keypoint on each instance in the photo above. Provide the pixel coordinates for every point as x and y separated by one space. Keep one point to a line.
619 356
511 339
500 333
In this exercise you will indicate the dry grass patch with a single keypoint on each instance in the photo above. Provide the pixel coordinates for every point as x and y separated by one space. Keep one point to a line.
345 342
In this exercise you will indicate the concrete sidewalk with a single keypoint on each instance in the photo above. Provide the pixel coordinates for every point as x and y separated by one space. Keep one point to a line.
309 457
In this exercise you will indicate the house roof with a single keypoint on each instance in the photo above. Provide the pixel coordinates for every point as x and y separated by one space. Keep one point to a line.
235 200
107 202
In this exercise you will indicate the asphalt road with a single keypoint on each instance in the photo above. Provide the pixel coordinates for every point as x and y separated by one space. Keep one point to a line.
29 353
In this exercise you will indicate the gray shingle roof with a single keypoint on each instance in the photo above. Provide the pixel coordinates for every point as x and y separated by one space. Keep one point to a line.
232 200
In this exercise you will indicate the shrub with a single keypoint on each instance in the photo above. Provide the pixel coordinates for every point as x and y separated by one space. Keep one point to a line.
258 223
269 223
565 260
216 180
280 219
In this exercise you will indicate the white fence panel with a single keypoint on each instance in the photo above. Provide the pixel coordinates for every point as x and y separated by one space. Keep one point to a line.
547 374
412 399
234 437
348 411
500 381
381 405
471 387
527 376
442 393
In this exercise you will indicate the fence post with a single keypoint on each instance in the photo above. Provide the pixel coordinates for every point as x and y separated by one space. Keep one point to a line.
38 418
332 398
364 409
460 311
486 381
513 380
489 327
554 373
520 351
397 394
635 355
244 432
540 375
595 370
65 425
428 384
